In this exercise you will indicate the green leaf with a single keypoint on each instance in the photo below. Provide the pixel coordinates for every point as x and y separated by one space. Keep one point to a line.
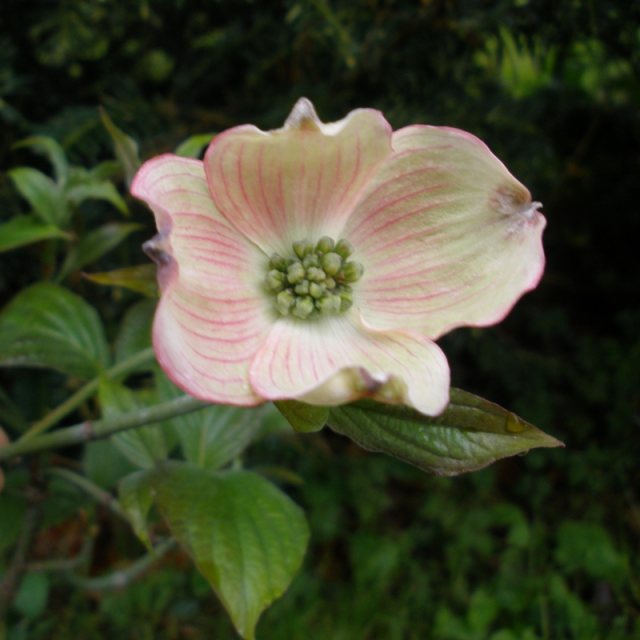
24 230
214 436
482 612
125 147
46 325
245 536
94 245
52 150
32 596
136 497
103 190
192 147
141 279
144 446
471 433
587 547
134 334
105 464
106 170
303 417
42 193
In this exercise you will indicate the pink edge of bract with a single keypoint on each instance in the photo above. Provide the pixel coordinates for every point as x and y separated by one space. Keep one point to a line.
179 369
324 366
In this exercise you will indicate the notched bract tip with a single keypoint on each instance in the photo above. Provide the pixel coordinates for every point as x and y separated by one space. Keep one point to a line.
515 203
158 250
529 210
303 116
368 383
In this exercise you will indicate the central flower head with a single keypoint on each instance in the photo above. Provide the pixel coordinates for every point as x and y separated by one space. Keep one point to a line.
321 261
314 280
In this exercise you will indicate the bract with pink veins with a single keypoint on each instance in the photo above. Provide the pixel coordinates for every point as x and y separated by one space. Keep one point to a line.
426 228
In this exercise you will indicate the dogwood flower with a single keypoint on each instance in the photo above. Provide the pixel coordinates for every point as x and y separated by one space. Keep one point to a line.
320 262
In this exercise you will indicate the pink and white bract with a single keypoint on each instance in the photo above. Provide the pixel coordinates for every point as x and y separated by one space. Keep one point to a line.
441 235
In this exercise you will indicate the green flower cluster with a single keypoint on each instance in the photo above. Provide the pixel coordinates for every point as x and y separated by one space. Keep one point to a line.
315 280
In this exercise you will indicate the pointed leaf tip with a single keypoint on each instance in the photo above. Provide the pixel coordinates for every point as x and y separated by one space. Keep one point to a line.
24 230
52 150
135 494
125 147
469 435
245 536
140 278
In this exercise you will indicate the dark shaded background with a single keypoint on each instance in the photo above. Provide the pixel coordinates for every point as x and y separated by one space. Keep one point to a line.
538 547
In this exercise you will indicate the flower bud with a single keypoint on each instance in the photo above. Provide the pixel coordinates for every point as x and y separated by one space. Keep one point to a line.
295 272
325 244
303 307
331 263
352 271
284 301
344 248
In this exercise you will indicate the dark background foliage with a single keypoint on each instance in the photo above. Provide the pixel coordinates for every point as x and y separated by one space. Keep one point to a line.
539 547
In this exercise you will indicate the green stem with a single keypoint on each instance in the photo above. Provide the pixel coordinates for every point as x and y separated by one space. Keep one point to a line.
84 484
124 577
65 565
72 402
94 430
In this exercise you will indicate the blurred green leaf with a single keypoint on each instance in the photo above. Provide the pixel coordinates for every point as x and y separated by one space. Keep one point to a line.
97 190
24 230
94 245
508 634
144 446
245 536
580 616
193 146
42 193
106 170
450 626
155 65
523 68
483 610
136 497
71 32
105 464
519 533
586 546
32 596
141 279
134 334
214 436
281 475
52 150
592 69
46 325
471 433
125 147
304 418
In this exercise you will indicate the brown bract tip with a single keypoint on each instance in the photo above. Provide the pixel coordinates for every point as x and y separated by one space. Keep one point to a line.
157 249
303 117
